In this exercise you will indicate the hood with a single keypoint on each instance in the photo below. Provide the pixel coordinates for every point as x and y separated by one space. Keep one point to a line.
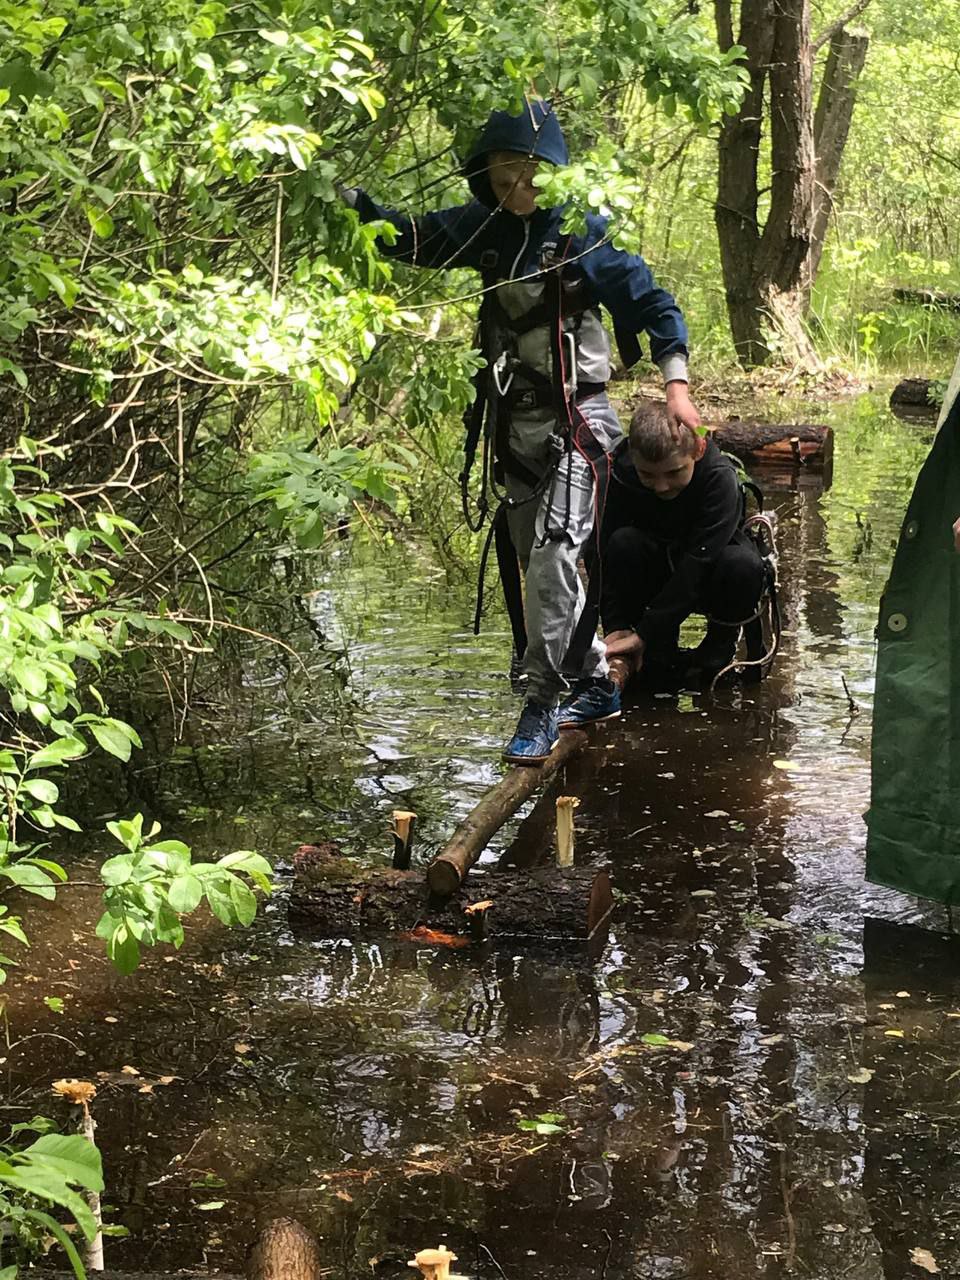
534 132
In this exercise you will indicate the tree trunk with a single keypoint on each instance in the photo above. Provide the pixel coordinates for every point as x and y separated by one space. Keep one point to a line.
768 271
736 212
284 1251
831 127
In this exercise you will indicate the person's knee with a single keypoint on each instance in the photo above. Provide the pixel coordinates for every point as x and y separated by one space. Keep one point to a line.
628 546
737 583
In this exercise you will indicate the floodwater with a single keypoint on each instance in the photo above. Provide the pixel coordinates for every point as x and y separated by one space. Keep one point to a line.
804 1117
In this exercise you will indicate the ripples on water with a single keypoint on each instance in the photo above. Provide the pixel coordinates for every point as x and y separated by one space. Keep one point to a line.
374 1090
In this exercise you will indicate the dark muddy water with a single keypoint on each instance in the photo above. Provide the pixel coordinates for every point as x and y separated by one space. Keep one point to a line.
805 1118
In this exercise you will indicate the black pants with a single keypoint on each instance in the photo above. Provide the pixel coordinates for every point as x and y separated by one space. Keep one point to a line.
636 568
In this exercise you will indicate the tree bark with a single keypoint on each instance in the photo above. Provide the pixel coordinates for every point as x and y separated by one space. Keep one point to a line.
549 902
284 1251
768 271
780 444
737 212
831 128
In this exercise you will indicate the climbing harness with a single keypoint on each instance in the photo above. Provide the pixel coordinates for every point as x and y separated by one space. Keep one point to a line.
497 395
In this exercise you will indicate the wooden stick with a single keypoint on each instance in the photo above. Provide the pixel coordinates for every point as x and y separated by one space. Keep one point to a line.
93 1253
403 824
565 808
447 871
433 1264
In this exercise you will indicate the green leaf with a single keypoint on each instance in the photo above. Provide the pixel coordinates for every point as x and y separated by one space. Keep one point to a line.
30 879
118 870
123 949
100 221
74 1157
41 789
111 739
66 1244
185 894
654 1038
57 753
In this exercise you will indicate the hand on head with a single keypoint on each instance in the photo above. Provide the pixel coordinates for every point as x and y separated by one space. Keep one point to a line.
682 410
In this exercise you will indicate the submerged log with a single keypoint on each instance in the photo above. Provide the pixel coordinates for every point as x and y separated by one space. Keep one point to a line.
449 868
778 444
911 399
342 899
284 1251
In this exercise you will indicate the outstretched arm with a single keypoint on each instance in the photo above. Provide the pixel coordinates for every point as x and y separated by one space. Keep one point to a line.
444 238
624 284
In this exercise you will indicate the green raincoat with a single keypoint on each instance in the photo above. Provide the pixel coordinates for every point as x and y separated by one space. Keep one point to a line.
913 825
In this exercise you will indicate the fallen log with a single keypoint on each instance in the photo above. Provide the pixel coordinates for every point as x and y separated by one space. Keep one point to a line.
933 299
340 898
449 868
911 399
777 444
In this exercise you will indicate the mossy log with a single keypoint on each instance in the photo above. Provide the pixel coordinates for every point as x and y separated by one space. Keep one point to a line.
340 898
806 445
911 399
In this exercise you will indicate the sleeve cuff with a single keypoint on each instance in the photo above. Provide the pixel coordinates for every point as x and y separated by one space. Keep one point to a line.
674 368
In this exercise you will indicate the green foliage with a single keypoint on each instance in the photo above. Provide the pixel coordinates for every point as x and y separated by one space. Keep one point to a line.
50 1173
153 883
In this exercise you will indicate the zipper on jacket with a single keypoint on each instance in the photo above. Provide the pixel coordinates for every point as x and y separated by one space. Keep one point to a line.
523 249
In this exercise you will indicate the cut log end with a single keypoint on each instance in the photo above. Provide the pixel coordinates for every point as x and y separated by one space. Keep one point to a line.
444 876
499 804
284 1251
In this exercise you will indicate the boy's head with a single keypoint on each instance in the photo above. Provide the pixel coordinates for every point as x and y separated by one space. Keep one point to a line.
663 454
511 181
501 165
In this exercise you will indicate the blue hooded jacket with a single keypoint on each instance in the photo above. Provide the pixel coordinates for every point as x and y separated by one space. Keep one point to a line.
505 246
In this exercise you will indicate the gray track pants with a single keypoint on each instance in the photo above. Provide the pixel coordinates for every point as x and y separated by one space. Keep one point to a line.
554 595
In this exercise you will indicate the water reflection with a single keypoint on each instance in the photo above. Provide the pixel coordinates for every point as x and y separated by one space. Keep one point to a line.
705 1079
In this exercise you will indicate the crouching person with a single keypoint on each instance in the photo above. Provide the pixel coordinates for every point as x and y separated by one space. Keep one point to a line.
673 545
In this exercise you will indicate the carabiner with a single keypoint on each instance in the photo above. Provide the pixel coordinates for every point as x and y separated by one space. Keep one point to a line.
499 368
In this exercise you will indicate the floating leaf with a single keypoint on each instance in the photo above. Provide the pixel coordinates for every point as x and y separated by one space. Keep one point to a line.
210 1205
788 766
925 1259
863 1076
717 813
898 1035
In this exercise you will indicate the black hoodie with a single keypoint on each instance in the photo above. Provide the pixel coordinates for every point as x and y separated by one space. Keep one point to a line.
693 528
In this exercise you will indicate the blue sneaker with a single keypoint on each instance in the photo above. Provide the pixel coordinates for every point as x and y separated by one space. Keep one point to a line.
591 702
536 735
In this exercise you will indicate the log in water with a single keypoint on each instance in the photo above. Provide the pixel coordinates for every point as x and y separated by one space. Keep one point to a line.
806 445
341 898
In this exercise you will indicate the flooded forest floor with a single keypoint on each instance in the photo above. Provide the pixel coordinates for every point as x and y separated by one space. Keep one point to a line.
758 1077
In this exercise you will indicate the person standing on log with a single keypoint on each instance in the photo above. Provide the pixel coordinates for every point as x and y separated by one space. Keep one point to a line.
673 544
541 407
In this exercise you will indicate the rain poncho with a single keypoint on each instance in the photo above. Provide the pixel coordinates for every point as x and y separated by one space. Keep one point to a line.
913 841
